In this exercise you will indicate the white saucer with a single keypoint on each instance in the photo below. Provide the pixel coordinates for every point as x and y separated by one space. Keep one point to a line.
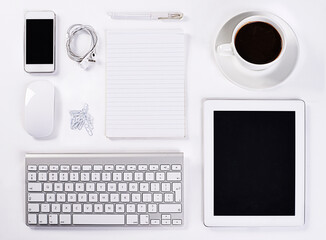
250 79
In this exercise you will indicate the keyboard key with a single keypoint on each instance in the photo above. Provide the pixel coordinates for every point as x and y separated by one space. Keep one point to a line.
36 197
166 222
176 221
176 187
133 187
33 207
88 208
127 176
42 176
176 167
108 167
87 167
152 208
131 208
65 219
66 208
166 216
131 167
122 187
64 167
98 208
104 197
75 167
166 187
160 176
153 167
139 176
72 197
61 197
158 197
34 187
155 222
92 197
125 197
69 187
82 197
165 167
112 187
47 187
79 219
141 208
119 208
117 177
170 208
53 177
106 176
56 208
135 197
100 187
50 197
173 176
90 187
85 177
147 197
109 208
45 207
31 167
143 187
74 177
132 219
53 219
54 167
120 167
155 187
42 167
58 187
149 176
79 187
31 177
144 219
63 177
98 167
114 197
142 167
168 197
32 219
96 177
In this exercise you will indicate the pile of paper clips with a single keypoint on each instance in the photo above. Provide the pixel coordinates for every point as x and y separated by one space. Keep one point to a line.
80 119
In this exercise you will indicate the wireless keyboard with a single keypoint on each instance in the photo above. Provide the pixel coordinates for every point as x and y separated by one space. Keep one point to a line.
104 189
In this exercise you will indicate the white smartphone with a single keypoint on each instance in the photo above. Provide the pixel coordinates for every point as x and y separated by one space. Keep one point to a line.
39 42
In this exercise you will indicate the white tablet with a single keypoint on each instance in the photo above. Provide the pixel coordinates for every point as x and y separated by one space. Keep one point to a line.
254 162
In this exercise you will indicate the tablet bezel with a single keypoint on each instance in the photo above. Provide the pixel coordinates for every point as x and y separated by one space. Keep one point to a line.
208 147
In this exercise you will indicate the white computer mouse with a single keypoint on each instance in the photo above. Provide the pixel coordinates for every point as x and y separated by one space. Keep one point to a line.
39 109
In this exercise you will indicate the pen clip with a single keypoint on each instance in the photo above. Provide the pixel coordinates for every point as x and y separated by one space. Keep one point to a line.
172 16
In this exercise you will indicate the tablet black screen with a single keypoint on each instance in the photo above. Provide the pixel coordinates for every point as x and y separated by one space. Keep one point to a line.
254 163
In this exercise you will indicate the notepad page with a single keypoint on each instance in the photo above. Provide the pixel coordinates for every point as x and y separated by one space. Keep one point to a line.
145 90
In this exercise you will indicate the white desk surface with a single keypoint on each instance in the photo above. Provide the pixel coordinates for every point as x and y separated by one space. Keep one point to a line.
75 86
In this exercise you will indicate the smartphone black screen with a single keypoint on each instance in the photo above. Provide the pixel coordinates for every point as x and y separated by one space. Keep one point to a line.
39 41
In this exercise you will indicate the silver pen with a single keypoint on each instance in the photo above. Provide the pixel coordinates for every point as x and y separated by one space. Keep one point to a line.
146 15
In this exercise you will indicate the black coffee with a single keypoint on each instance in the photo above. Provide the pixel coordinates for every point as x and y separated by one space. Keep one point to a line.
258 43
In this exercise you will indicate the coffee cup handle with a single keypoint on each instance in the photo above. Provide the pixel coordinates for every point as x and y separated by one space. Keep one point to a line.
225 49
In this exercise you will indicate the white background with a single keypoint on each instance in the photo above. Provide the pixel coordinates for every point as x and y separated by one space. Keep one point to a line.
75 87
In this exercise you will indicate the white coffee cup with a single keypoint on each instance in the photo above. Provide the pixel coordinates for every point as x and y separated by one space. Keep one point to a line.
229 49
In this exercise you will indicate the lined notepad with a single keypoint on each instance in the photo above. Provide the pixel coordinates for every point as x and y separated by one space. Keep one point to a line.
145 90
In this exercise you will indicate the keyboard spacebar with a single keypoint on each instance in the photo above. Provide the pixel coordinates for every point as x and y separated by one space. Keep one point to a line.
98 219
